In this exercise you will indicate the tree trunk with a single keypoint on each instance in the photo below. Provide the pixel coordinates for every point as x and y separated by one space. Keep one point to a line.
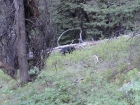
21 39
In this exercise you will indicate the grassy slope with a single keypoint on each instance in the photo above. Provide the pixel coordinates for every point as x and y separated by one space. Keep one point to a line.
76 79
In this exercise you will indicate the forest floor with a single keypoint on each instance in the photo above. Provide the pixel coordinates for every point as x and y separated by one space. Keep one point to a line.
80 79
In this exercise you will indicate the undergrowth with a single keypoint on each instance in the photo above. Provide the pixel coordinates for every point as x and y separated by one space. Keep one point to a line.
77 79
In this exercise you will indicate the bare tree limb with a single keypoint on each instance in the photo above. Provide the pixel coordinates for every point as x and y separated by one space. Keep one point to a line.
72 41
62 35
80 38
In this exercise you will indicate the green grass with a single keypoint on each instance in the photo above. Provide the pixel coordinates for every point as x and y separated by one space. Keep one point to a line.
76 79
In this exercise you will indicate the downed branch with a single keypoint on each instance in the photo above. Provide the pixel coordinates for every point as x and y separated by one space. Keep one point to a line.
77 46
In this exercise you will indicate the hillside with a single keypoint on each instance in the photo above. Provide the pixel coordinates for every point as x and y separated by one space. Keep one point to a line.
78 79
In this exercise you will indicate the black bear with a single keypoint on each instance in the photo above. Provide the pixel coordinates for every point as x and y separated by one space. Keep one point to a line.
68 49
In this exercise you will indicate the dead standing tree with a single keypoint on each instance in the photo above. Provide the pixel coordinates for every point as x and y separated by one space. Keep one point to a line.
24 41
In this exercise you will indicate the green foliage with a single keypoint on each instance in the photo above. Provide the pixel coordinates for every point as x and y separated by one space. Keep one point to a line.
33 71
97 18
132 91
75 79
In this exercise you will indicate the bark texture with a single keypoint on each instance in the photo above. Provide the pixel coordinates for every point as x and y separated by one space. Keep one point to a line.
21 40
